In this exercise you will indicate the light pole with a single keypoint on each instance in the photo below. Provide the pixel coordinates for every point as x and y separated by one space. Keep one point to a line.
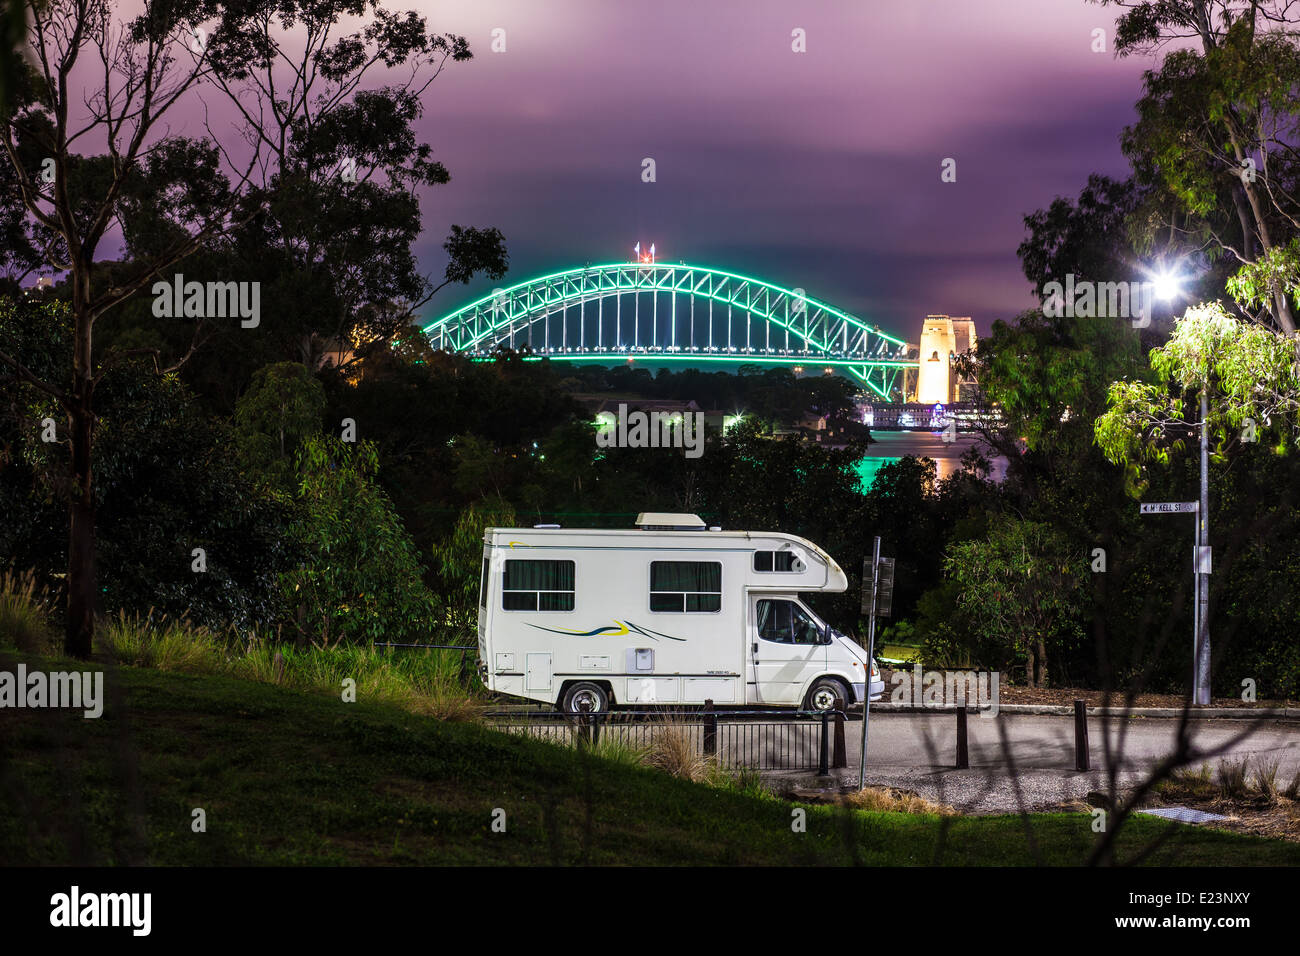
1167 287
1201 685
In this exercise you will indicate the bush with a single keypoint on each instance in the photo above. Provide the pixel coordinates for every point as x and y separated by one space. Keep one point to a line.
25 614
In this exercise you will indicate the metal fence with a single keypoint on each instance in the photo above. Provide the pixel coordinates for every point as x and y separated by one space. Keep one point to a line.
757 740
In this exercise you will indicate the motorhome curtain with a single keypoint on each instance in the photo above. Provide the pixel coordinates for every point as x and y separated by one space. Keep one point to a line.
539 576
689 576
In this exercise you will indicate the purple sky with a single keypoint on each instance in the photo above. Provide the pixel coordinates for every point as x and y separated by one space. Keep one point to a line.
819 170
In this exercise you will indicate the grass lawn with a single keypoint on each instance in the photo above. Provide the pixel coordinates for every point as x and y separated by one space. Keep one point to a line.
289 777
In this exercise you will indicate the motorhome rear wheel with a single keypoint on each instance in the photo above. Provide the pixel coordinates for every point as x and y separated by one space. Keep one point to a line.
585 697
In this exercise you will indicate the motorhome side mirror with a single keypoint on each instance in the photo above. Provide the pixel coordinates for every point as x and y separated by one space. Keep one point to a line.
826 634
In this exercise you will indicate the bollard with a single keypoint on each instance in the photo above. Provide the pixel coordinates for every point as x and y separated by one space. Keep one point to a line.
823 768
963 751
710 729
841 758
1081 760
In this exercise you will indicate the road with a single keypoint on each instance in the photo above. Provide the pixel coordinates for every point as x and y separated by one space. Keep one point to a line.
916 751
1016 760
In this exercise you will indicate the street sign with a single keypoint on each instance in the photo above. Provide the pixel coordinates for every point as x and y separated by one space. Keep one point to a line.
1168 507
885 599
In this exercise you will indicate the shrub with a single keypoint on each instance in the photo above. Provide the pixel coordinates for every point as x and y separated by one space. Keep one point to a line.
25 614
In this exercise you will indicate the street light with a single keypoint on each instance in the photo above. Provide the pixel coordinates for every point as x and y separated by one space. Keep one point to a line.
1166 286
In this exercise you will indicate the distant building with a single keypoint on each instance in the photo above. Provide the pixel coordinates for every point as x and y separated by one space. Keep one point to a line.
596 404
943 338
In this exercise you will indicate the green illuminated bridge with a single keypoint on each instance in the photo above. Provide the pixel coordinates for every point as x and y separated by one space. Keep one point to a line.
673 313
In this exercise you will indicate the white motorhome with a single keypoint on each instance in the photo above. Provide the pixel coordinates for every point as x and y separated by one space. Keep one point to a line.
670 613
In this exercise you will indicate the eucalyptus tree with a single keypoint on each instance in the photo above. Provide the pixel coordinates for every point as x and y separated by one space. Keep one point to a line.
1216 138
113 138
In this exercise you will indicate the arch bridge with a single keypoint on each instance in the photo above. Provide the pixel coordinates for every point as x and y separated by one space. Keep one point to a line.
674 313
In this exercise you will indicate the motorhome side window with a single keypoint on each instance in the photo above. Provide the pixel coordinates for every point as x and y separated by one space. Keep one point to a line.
774 561
483 586
686 586
784 622
538 586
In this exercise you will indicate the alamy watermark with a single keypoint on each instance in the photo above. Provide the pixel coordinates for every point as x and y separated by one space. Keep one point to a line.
1087 300
944 689
639 429
78 690
76 909
208 300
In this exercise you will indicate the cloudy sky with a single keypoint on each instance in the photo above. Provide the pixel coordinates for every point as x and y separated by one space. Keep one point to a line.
817 169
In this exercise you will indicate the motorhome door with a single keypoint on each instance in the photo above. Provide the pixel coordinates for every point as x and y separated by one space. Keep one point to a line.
785 651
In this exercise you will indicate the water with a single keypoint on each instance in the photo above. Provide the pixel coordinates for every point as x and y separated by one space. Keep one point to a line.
892 446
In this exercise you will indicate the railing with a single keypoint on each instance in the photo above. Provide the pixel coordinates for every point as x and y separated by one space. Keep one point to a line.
758 740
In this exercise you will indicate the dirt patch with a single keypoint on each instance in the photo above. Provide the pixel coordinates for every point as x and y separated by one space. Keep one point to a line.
1277 819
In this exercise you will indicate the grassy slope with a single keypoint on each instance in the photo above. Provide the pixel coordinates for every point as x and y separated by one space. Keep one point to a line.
293 778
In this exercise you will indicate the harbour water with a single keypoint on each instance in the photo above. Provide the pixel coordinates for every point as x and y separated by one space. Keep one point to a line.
888 446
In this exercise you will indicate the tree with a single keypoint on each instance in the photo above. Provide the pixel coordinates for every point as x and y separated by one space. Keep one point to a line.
1021 587
1250 376
13 39
1087 237
167 484
287 71
282 406
459 562
361 579
1215 137
1047 372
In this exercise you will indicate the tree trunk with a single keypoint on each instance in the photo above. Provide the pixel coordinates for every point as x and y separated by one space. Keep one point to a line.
1030 667
79 638
80 635
1042 663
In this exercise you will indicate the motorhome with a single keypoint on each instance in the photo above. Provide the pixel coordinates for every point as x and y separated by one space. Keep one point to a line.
671 612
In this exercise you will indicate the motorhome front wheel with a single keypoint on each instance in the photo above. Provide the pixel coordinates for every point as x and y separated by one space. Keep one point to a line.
585 698
826 694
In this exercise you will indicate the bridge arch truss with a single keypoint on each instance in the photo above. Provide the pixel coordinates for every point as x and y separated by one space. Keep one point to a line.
673 312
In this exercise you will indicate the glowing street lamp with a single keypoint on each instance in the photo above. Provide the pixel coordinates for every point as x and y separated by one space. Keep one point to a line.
1166 286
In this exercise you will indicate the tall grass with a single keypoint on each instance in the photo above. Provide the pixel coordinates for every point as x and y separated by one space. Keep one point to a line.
25 612
166 644
616 748
1266 777
1232 776
674 750
423 682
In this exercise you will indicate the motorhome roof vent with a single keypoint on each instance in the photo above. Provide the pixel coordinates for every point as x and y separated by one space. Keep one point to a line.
547 527
665 521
